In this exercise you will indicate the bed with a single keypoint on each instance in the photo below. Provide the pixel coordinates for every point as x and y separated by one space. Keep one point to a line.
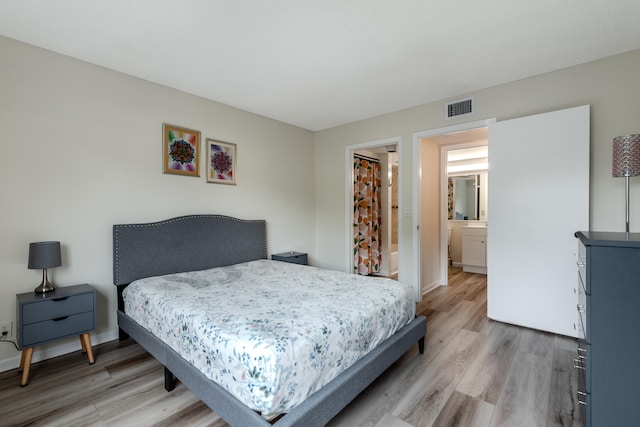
190 254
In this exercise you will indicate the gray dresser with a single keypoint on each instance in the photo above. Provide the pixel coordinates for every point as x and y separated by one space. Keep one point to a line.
608 304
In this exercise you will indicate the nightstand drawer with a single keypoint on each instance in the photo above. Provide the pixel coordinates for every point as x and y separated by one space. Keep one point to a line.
48 330
54 308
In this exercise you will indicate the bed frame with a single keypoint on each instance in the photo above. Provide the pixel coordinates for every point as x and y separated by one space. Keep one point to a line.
198 242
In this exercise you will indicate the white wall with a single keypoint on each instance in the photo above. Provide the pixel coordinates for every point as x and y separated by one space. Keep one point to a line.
81 150
610 86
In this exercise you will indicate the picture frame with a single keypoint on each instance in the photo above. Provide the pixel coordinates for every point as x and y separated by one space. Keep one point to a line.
181 150
221 162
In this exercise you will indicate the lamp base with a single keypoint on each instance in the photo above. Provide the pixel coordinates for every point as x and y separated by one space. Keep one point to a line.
45 286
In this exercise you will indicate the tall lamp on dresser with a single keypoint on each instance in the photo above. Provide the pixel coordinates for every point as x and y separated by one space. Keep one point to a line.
626 163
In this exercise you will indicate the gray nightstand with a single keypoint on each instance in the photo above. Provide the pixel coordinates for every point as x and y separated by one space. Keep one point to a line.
292 257
65 312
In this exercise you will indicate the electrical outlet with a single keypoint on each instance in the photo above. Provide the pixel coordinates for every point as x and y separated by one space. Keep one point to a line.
6 329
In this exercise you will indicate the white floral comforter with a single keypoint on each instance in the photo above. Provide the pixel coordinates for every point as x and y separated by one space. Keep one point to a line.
270 332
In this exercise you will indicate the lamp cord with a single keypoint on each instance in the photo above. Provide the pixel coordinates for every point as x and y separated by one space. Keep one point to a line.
11 341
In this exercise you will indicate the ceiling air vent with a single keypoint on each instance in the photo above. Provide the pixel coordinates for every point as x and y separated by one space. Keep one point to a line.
460 108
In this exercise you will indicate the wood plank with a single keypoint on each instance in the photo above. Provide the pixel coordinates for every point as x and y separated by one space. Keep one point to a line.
564 409
390 421
462 410
525 397
425 398
488 371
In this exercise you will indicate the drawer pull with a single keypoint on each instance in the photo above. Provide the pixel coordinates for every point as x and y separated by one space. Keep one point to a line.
59 299
577 364
580 308
582 350
57 319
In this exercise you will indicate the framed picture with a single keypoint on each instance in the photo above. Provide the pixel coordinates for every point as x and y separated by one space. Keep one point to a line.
221 162
181 150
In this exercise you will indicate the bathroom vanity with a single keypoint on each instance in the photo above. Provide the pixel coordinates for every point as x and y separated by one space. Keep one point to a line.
474 248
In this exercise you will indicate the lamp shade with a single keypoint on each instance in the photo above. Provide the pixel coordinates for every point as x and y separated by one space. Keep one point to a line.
44 255
626 155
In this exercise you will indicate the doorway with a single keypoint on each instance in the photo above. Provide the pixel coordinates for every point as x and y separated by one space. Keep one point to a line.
387 153
431 197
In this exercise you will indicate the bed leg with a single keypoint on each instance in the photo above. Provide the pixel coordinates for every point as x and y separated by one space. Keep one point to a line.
169 380
421 345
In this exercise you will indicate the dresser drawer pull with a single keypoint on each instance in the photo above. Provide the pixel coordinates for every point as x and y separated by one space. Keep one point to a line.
580 308
59 299
577 364
582 397
582 350
581 263
57 319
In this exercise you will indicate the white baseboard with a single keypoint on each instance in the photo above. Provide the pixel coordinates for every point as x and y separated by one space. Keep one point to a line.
51 350
431 287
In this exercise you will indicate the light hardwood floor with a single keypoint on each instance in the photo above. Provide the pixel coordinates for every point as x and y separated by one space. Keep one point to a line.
474 372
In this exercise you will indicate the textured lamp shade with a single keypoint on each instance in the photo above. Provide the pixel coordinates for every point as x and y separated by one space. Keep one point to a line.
44 255
626 163
626 155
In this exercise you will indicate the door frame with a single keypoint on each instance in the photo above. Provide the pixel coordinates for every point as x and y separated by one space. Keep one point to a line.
417 191
349 151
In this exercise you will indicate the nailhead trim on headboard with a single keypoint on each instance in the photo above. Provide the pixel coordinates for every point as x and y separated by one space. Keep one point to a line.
151 251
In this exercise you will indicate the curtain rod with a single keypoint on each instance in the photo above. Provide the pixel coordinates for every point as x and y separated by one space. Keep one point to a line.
366 157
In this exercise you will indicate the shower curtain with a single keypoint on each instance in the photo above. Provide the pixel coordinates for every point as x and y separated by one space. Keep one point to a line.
367 254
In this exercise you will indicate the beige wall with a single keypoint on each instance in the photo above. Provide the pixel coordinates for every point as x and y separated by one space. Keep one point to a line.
610 86
430 216
81 150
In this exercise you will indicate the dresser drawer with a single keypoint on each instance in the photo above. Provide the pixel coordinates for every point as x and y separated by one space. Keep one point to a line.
583 398
584 357
581 262
49 330
54 308
582 308
581 363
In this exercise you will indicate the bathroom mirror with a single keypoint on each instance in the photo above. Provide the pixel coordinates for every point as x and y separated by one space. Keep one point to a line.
468 197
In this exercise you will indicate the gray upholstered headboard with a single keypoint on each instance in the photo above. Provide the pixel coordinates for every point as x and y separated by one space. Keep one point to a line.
186 243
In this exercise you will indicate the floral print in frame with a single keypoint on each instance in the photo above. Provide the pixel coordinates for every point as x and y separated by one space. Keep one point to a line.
181 150
221 162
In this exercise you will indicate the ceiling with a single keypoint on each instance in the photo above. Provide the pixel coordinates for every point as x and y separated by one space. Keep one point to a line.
317 64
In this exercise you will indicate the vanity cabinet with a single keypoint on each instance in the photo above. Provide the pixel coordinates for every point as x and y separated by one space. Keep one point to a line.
607 304
474 249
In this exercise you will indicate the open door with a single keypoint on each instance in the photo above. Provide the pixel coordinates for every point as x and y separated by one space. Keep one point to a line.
539 180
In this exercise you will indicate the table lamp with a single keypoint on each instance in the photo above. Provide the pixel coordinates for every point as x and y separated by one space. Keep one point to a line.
44 255
626 162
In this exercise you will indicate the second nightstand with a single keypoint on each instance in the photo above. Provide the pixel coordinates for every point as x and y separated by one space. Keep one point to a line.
293 257
65 312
